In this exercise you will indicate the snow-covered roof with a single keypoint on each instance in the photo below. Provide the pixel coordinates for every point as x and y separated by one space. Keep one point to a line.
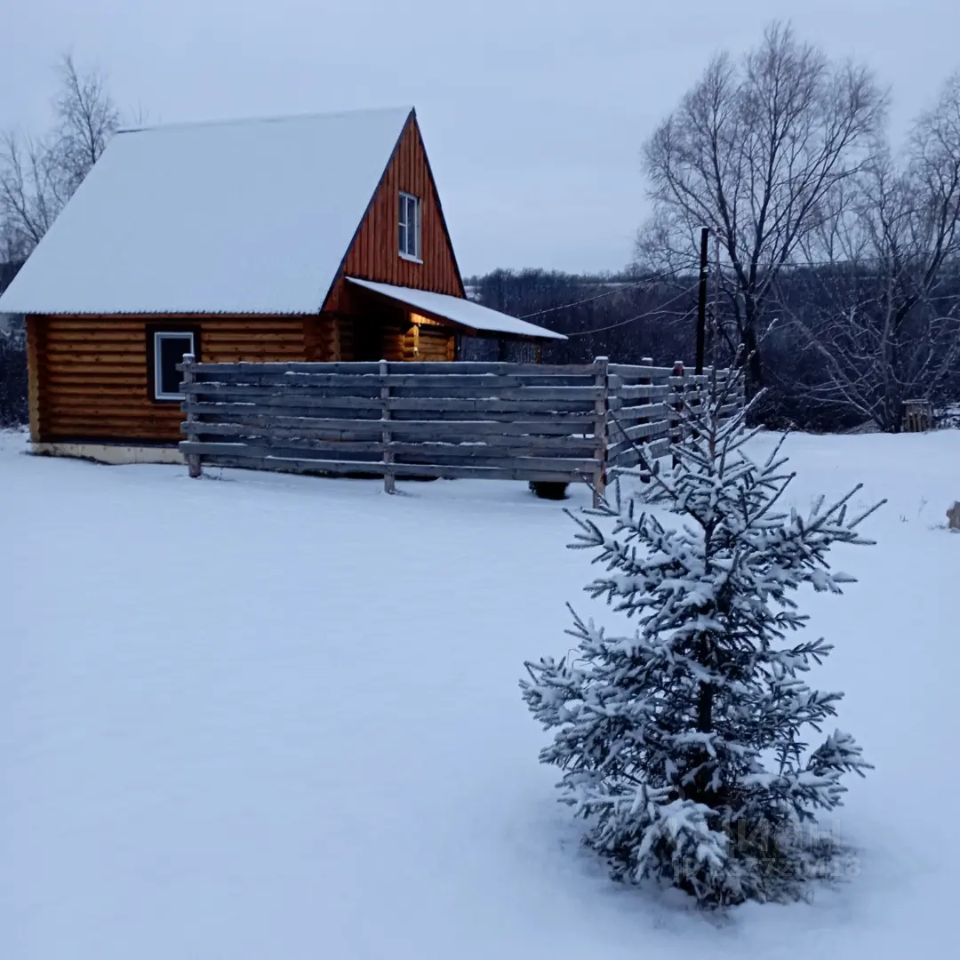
458 310
250 216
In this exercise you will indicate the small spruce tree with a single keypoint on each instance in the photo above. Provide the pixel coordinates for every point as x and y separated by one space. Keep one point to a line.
684 743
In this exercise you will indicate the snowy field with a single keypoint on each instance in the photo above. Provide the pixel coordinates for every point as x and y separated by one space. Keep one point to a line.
272 716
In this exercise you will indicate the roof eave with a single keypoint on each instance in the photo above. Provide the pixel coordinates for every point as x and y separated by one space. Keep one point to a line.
440 318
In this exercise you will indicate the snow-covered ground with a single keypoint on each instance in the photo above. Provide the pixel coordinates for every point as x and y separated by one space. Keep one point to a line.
272 716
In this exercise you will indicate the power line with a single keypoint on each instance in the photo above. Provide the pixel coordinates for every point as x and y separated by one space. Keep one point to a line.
692 265
801 264
577 303
658 311
609 293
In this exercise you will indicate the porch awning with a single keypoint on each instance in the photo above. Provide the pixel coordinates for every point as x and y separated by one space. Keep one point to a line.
464 313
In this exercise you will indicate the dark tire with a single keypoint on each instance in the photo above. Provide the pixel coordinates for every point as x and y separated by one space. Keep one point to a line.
549 489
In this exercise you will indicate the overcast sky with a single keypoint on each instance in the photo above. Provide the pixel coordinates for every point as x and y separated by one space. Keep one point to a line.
533 112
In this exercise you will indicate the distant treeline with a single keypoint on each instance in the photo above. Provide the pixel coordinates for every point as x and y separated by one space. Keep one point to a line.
634 315
626 316
13 359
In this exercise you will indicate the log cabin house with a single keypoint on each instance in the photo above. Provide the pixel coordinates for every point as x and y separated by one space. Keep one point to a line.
289 239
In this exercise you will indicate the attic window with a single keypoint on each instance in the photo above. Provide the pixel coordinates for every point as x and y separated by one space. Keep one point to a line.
169 348
409 227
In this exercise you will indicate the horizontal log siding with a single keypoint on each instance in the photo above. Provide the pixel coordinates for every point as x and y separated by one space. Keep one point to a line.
346 341
375 251
400 341
417 342
323 337
436 344
89 379
35 339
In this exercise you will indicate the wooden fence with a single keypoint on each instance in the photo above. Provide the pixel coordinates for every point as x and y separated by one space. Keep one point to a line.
647 407
563 423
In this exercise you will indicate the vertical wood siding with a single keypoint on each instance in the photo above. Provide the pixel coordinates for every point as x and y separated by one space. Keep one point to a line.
89 378
375 252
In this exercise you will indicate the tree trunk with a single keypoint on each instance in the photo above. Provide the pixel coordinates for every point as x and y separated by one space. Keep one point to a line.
751 361
705 708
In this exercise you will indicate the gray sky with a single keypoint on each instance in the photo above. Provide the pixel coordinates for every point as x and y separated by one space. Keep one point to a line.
533 113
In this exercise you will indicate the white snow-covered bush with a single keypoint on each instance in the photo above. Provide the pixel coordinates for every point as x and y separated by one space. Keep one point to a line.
685 742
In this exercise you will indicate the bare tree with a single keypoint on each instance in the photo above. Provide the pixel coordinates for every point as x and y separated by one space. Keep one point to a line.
87 119
882 311
752 152
29 198
37 177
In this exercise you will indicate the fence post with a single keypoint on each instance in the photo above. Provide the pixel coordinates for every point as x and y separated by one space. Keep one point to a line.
389 478
601 412
676 425
194 466
644 402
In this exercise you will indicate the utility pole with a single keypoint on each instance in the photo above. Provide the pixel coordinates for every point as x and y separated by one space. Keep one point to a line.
702 299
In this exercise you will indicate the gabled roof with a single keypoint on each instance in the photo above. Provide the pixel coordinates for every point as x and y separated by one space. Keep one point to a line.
463 312
250 216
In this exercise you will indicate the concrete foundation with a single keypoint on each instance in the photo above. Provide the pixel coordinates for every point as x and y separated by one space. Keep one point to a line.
111 453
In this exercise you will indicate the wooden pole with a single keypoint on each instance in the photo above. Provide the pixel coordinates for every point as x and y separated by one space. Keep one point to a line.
389 478
676 425
601 410
194 464
702 300
714 329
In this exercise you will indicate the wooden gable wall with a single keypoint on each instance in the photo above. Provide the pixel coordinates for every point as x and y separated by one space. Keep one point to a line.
374 253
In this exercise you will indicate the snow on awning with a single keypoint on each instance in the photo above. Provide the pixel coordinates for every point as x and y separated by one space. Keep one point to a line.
458 310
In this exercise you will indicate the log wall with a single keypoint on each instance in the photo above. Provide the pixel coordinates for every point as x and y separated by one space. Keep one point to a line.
89 377
365 338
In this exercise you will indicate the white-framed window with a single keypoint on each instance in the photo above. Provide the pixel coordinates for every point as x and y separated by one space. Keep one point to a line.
169 347
409 226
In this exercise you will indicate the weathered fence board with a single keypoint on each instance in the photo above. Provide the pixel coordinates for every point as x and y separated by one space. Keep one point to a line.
370 386
556 423
398 442
647 411
559 426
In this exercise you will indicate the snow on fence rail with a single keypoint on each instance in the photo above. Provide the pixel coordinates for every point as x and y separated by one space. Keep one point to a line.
561 423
